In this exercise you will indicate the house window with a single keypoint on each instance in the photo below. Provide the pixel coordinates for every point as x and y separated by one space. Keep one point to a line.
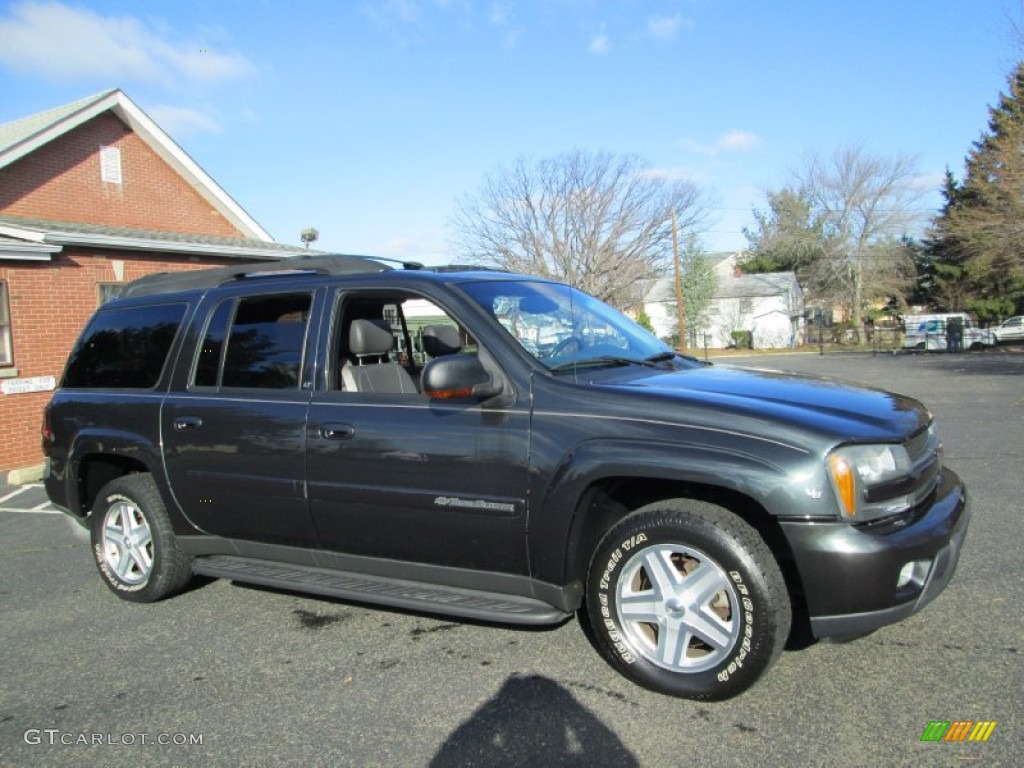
108 291
6 355
110 164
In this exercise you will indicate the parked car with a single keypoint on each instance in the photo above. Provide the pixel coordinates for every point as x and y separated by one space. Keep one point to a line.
251 423
1009 331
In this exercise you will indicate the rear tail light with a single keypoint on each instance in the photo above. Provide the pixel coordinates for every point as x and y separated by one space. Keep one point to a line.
46 433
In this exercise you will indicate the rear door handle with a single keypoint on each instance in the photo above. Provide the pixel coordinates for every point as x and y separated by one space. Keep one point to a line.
337 431
187 422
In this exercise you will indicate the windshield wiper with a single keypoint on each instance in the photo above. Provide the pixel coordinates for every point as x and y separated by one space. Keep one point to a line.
593 362
661 357
664 357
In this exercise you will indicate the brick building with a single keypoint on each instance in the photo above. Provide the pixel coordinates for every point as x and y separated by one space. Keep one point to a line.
92 195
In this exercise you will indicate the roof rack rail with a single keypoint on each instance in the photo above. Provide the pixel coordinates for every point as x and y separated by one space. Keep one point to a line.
322 264
466 268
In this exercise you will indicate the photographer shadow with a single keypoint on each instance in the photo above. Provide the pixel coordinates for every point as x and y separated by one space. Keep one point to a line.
533 721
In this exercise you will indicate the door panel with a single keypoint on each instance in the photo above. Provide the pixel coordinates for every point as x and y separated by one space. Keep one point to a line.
234 426
437 484
394 475
239 471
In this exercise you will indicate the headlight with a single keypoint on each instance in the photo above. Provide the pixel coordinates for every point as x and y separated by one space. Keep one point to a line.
871 481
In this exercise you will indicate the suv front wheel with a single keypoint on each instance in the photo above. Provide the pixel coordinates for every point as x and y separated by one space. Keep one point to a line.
135 549
685 598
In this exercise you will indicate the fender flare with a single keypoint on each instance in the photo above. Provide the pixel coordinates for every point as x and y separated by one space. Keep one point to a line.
558 523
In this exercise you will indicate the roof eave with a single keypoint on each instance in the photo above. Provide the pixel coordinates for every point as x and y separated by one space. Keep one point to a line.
57 128
45 243
28 251
164 246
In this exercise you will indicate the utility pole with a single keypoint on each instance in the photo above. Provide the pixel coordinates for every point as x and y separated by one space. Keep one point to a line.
680 310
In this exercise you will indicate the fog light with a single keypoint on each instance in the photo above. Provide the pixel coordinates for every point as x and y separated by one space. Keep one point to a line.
906 574
913 572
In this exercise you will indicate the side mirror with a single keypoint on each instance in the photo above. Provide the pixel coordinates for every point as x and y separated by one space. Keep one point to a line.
455 377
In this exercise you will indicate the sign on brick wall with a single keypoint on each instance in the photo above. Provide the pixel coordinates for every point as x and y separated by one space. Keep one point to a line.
33 384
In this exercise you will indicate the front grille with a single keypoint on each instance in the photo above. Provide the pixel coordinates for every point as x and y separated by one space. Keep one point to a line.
926 457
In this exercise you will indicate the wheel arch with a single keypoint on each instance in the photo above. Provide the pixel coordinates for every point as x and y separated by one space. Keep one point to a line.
607 500
96 470
96 458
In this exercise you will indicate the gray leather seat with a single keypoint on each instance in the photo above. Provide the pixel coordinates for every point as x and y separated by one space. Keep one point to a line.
440 340
369 339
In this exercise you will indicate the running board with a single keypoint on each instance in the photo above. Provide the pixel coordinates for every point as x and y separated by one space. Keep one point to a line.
397 593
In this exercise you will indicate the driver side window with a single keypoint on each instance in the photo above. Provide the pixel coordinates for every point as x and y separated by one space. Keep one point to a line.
382 342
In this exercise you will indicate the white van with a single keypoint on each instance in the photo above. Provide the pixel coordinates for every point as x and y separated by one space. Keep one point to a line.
929 332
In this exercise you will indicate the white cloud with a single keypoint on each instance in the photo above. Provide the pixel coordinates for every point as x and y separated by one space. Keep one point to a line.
676 174
182 121
500 18
929 182
599 44
727 143
66 43
666 27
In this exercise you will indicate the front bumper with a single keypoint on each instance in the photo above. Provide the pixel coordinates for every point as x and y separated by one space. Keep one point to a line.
850 574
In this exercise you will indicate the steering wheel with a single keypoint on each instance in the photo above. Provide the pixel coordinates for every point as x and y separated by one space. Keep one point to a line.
563 345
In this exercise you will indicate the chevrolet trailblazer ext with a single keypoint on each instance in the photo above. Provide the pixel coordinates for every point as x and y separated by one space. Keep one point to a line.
498 447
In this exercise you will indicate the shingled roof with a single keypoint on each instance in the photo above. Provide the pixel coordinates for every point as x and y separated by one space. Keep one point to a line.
44 235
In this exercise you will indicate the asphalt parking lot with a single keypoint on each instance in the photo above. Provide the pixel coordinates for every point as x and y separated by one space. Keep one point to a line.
232 675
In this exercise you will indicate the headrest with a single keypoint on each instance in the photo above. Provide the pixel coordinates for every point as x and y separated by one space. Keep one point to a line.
369 337
441 340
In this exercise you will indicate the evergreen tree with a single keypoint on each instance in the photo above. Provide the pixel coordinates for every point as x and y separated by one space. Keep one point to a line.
978 238
788 237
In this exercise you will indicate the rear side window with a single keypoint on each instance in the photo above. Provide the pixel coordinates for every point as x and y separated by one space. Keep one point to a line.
124 348
255 342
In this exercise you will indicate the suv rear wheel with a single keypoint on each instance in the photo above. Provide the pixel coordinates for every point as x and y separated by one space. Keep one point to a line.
685 598
135 549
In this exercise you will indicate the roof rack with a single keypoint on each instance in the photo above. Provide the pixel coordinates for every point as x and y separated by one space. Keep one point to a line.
465 268
313 264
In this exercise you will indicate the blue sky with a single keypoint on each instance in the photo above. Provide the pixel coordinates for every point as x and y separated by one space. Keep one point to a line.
368 120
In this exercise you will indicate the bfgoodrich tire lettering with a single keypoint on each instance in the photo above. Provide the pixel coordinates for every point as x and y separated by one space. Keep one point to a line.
133 543
684 598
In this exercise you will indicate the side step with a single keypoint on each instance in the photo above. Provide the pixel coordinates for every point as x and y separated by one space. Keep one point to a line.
408 595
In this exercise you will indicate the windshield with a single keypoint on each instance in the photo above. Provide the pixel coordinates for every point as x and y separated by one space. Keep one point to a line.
563 327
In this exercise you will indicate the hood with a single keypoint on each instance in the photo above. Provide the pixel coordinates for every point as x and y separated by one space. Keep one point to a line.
822 405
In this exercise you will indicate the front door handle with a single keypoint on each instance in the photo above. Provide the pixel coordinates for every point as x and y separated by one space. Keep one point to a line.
337 431
187 422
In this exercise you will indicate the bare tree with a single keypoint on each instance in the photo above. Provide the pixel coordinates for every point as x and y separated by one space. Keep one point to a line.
866 205
598 221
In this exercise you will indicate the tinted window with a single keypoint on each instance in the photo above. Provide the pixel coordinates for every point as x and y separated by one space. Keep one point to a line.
208 364
124 347
265 342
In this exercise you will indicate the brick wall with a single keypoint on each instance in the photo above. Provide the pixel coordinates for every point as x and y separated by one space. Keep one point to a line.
50 304
61 181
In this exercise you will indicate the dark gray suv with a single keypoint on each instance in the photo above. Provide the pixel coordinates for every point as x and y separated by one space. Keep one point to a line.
496 447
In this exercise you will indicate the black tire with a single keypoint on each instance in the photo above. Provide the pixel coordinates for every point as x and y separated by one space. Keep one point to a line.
685 598
133 542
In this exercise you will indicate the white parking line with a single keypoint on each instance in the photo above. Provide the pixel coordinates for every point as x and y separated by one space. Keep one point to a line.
33 511
14 493
41 507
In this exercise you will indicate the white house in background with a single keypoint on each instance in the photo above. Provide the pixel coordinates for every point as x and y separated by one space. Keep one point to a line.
770 306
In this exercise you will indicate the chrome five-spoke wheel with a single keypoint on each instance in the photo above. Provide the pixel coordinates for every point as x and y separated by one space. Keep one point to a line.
133 541
678 608
127 542
684 597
